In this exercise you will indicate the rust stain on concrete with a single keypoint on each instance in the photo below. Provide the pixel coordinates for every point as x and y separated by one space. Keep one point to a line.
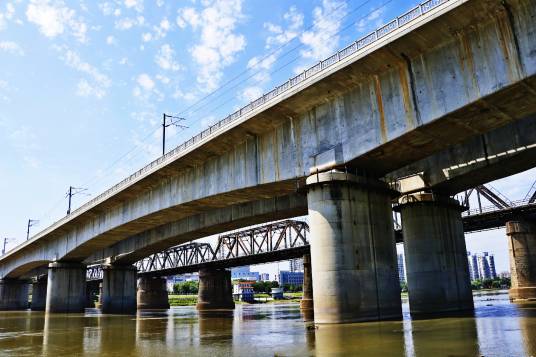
406 97
379 100
506 39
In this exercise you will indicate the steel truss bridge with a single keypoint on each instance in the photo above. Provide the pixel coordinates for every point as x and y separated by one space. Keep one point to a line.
263 244
288 239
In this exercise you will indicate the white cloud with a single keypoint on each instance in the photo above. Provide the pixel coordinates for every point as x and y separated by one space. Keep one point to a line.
165 60
219 43
322 39
146 37
97 83
7 15
136 4
53 18
11 47
127 23
159 31
145 81
249 94
110 40
279 36
374 20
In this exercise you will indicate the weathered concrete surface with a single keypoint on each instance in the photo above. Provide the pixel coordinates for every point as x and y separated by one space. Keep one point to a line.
152 293
215 290
306 302
14 294
118 289
66 287
435 253
39 293
353 254
499 153
459 73
522 248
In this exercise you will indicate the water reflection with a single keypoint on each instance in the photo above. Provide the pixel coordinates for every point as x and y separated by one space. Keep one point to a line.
498 328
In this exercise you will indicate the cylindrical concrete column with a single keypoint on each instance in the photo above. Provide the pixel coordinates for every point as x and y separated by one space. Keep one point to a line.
215 290
66 287
14 294
435 254
152 293
522 249
118 289
306 302
353 253
39 293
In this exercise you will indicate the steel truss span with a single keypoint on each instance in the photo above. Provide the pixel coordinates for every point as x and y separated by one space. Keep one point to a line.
267 243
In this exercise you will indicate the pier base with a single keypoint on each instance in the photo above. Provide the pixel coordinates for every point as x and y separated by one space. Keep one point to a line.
66 287
118 289
215 290
39 294
435 253
522 248
306 302
152 293
14 294
353 252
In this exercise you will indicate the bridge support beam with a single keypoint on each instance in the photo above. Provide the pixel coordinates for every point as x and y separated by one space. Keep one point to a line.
435 253
39 293
306 302
118 289
522 249
152 293
353 251
66 287
14 294
215 290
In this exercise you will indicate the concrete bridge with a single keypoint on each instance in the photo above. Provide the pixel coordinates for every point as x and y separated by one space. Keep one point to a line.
441 99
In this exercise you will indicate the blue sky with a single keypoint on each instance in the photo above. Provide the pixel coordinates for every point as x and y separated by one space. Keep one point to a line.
83 84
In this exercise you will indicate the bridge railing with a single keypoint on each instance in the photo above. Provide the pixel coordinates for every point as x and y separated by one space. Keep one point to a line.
492 208
319 67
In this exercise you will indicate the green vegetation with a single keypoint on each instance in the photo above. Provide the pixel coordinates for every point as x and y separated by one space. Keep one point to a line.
264 286
186 287
497 283
182 300
292 288
403 287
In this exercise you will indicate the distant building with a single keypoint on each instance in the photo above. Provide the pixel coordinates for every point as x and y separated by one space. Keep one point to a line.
244 273
296 264
277 293
265 277
481 266
243 291
172 280
504 274
472 262
401 268
288 277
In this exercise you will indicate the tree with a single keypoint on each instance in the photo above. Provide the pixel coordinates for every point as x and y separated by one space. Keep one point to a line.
404 287
186 287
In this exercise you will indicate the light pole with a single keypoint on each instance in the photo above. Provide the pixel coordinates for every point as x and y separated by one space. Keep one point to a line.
5 242
173 121
31 223
73 191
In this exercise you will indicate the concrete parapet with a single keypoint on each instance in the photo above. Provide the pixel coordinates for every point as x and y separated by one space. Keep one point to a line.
66 287
522 248
39 293
306 302
215 290
435 253
353 252
118 289
152 293
14 294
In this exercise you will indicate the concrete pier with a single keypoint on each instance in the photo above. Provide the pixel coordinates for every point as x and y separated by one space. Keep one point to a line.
152 293
522 248
435 253
93 292
118 289
66 287
353 252
39 293
14 294
306 302
215 290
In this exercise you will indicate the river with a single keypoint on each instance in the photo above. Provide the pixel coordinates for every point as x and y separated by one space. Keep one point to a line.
497 328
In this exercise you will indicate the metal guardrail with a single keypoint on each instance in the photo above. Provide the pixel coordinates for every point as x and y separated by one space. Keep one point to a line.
493 208
356 46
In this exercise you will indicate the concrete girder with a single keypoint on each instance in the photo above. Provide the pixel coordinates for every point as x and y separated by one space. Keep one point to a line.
459 73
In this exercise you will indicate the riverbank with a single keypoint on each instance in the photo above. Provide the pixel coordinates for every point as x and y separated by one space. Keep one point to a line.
191 300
